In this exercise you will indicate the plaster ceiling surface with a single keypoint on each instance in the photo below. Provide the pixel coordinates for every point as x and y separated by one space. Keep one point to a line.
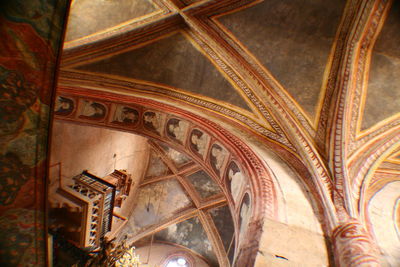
383 91
292 40
166 61
90 16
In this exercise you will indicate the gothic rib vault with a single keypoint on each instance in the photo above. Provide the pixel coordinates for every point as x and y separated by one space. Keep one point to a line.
316 82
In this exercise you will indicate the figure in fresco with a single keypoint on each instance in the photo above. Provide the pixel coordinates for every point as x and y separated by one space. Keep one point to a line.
236 181
245 212
63 106
93 110
177 129
217 157
152 121
199 141
125 115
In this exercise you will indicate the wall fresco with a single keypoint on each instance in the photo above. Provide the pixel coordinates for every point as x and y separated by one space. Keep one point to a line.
30 34
235 181
125 115
218 156
199 142
245 213
190 234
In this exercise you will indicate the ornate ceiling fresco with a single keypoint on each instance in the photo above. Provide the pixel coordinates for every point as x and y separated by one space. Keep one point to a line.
319 86
195 171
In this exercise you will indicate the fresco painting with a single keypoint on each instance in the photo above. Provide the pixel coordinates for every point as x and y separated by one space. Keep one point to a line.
177 129
204 185
30 40
218 155
223 221
179 159
199 142
235 181
245 214
156 166
92 110
153 121
191 234
157 202
64 106
125 115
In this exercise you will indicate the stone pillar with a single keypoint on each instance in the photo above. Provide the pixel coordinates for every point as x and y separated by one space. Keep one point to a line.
353 246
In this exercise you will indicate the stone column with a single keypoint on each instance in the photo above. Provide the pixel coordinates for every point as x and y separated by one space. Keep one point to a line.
353 246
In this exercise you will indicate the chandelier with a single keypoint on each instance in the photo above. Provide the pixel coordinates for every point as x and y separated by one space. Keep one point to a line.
109 254
128 259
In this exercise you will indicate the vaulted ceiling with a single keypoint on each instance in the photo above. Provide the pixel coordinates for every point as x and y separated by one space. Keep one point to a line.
318 79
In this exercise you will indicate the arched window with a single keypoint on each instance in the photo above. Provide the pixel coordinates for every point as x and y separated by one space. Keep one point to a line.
177 261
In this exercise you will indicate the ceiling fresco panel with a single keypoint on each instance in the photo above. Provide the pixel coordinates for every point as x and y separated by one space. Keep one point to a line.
190 234
99 15
224 223
167 61
383 93
179 159
156 166
157 202
203 184
293 40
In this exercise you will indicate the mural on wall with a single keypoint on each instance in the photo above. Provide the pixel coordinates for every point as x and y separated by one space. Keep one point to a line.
218 155
199 142
176 129
235 181
125 115
190 234
203 184
92 110
63 106
245 213
30 34
153 121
